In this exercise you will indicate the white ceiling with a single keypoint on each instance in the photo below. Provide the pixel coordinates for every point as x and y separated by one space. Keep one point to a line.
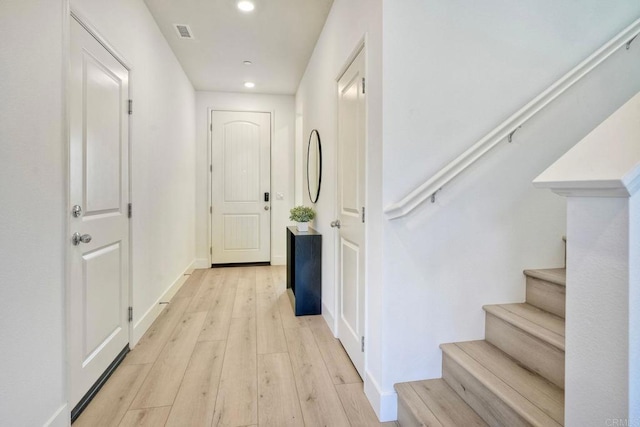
278 37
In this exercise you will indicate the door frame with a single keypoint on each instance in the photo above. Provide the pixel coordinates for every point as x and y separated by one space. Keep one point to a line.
71 14
361 46
210 111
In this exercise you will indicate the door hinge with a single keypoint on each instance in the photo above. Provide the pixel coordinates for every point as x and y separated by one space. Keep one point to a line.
210 250
363 214
210 209
363 85
210 168
211 127
130 106
130 314
129 210
362 344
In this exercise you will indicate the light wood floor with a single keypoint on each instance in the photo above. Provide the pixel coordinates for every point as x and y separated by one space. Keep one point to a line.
228 351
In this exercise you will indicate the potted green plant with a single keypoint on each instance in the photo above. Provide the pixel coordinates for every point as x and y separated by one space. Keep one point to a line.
302 215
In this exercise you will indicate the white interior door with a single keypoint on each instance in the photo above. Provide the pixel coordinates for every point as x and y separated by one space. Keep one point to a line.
240 186
351 205
99 186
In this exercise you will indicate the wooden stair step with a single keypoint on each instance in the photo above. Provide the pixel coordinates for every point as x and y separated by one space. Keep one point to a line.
542 393
533 337
433 403
552 275
539 323
508 398
546 289
412 411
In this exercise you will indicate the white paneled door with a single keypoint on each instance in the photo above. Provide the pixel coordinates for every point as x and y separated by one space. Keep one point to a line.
99 197
240 187
351 210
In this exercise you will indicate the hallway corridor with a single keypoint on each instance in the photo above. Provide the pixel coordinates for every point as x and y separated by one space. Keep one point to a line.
229 351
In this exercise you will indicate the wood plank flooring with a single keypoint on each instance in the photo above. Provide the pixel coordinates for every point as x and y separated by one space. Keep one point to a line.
228 351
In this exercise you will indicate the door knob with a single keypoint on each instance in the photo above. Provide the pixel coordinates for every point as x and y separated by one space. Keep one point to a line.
266 208
78 238
335 224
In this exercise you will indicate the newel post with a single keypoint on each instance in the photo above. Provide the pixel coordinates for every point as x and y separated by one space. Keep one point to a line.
600 176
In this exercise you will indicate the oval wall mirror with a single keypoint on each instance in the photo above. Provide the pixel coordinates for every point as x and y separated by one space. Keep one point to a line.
314 165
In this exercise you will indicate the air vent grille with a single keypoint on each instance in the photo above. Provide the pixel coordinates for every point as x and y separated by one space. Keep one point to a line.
184 32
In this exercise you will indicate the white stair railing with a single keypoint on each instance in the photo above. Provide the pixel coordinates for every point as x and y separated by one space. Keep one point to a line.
506 129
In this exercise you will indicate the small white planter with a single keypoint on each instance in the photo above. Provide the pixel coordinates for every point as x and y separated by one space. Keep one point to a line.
303 226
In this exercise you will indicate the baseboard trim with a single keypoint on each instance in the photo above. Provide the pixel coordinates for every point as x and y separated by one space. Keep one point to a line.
385 404
60 418
95 388
328 317
141 326
279 260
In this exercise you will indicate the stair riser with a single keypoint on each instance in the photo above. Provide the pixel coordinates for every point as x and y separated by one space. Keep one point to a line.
531 352
546 296
492 410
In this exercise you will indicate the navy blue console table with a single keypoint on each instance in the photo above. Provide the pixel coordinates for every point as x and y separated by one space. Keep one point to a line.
304 271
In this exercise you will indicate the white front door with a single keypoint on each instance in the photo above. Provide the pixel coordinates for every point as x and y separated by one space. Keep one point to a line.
351 210
99 186
240 187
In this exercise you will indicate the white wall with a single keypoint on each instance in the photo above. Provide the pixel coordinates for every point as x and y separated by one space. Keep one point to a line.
634 302
453 71
281 108
600 254
162 151
34 187
348 24
32 212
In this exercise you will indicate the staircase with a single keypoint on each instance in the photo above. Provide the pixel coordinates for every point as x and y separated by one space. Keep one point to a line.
515 377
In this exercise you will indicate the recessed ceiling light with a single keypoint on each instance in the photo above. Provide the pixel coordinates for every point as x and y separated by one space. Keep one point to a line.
249 85
247 62
246 6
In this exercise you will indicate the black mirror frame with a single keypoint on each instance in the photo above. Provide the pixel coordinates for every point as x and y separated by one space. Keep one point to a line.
314 199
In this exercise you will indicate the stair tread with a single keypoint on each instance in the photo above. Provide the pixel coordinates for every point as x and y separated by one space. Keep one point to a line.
441 401
553 275
534 321
532 397
538 316
408 397
542 393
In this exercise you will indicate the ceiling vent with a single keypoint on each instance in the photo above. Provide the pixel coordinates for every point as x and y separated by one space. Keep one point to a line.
184 32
